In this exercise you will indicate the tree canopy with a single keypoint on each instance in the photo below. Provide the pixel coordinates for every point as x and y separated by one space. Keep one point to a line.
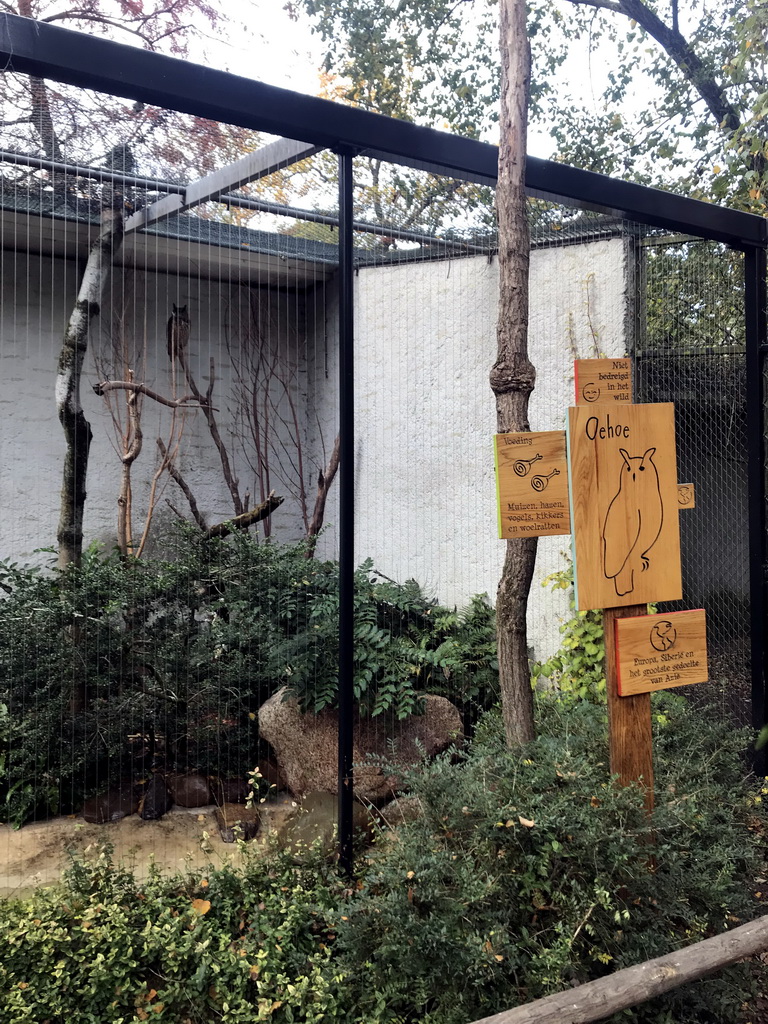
679 87
62 122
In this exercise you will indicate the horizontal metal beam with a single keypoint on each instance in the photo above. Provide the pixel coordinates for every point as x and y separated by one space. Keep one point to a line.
261 162
90 62
173 203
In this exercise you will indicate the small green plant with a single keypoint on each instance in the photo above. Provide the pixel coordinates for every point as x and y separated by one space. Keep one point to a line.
219 944
578 667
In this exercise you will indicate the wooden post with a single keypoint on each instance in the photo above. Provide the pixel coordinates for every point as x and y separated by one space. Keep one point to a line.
629 718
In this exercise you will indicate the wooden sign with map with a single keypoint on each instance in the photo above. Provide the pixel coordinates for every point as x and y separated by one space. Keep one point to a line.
624 510
602 381
657 652
532 484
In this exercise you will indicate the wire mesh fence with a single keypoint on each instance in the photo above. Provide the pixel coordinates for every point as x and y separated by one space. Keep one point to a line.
151 675
691 350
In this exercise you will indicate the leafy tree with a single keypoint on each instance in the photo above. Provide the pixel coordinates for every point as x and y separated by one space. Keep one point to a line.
66 123
705 131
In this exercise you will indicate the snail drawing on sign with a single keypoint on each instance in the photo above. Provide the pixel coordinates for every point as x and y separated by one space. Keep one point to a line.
633 521
540 483
523 466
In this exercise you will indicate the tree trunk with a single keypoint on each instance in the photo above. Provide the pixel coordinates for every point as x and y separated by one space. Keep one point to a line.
513 376
77 430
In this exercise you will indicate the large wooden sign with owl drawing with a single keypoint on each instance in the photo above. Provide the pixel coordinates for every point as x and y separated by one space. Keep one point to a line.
624 505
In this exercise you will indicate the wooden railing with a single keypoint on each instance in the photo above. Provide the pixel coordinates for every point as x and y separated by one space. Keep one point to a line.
597 1000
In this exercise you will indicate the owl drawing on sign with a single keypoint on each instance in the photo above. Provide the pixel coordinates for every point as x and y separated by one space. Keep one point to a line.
633 521
177 332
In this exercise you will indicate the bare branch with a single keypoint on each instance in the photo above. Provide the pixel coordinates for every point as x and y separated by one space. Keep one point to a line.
324 481
205 404
242 522
175 474
128 385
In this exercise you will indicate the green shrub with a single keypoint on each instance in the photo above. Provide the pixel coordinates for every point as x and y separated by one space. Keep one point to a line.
527 872
233 946
405 645
184 651
530 872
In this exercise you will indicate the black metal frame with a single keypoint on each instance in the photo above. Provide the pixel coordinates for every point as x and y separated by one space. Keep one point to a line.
72 57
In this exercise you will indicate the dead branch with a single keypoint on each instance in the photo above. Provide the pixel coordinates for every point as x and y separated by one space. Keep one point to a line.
175 474
246 519
324 481
205 404
141 389
599 999
133 441
174 437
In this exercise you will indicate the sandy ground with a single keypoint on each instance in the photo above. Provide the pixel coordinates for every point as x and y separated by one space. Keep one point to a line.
36 854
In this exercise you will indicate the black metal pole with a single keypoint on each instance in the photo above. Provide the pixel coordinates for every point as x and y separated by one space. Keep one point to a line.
346 508
755 303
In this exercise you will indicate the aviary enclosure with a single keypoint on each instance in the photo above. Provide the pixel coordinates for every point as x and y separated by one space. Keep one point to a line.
290 478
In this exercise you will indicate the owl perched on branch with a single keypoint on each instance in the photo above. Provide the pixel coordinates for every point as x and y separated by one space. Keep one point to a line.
177 332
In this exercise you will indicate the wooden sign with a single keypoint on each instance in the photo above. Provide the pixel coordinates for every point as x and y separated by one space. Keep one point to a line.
602 381
656 652
624 511
532 484
686 496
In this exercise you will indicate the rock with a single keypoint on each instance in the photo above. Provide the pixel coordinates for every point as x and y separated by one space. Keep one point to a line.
189 790
306 745
156 800
113 805
316 821
400 811
272 774
229 791
237 822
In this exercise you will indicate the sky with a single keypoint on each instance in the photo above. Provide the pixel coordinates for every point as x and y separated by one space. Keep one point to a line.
286 54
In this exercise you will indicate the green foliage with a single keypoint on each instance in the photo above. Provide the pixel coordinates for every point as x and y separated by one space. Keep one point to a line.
222 945
405 645
704 65
529 871
578 667
187 649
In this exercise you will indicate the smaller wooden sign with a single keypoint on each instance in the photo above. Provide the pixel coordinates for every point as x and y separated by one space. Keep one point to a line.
686 496
532 484
658 652
602 381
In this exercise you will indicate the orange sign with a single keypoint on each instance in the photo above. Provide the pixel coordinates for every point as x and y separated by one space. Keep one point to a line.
532 484
686 496
657 652
624 506
601 381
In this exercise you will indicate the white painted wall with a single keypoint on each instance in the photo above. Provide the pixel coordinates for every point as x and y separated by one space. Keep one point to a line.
425 342
37 296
